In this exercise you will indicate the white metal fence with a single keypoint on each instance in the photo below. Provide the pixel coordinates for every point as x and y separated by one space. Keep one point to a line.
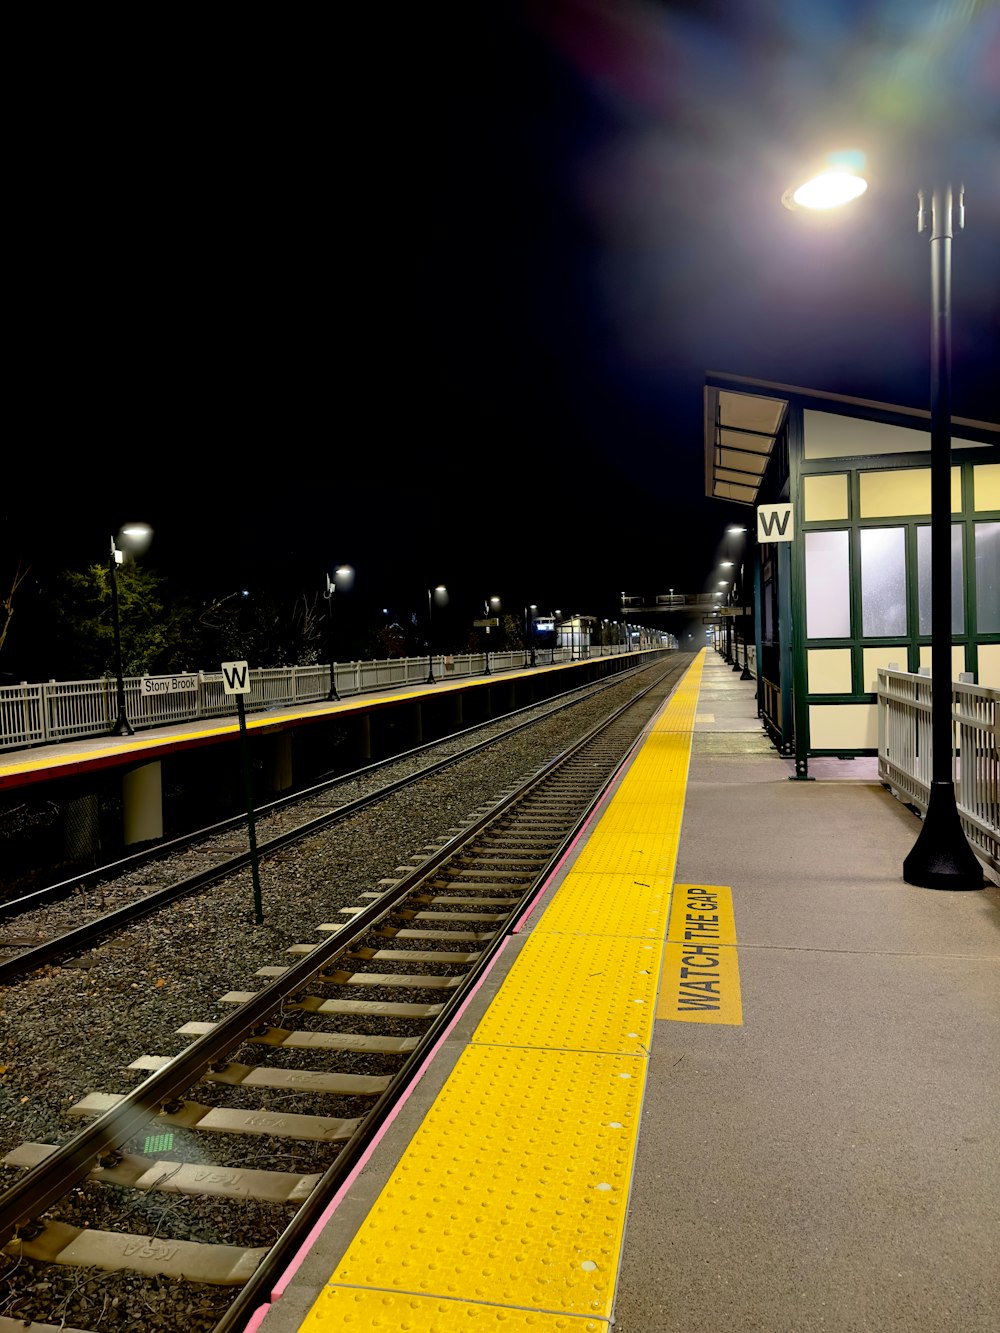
904 751
66 710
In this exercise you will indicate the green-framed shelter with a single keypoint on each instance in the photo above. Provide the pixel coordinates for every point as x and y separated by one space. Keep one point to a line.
842 578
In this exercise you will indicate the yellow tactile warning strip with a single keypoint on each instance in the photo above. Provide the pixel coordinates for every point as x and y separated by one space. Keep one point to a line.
508 1207
353 1308
701 974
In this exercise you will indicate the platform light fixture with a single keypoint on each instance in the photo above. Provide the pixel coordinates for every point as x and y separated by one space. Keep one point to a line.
941 857
343 577
491 607
438 595
132 540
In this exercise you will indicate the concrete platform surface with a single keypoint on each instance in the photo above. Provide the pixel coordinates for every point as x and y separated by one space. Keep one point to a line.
833 1162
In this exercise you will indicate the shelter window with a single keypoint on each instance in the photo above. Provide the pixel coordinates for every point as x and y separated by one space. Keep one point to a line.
924 580
828 585
988 578
883 582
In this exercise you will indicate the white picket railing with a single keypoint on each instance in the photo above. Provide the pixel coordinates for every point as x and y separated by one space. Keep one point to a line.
904 751
39 714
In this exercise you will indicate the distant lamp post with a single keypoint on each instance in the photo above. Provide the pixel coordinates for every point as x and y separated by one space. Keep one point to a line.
343 577
941 857
134 538
492 606
440 596
529 631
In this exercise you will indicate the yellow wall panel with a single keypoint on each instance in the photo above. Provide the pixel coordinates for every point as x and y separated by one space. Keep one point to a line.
829 670
843 726
825 497
957 658
989 665
986 486
903 491
873 658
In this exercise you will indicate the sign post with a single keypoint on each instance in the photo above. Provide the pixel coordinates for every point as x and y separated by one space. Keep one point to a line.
236 680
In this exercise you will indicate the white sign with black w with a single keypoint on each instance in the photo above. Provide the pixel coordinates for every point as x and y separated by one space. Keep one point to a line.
235 677
774 523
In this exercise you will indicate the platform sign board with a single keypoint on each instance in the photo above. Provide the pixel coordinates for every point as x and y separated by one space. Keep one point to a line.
153 685
236 680
486 624
236 677
774 523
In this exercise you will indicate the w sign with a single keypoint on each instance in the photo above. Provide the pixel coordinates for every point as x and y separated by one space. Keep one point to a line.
774 523
235 677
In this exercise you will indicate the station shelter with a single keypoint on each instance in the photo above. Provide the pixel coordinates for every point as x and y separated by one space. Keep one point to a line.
840 550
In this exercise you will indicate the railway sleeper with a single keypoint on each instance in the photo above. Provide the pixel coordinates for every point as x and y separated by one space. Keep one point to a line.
413 933
415 980
313 1004
147 1173
155 1256
480 877
224 1120
408 915
444 899
295 1040
411 956
236 1075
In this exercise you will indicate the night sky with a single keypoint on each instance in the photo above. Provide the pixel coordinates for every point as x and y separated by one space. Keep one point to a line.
433 289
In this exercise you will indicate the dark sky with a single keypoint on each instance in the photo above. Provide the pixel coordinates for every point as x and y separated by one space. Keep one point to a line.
433 289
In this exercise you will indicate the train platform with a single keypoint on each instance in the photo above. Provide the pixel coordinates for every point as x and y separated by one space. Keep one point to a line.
733 1073
68 758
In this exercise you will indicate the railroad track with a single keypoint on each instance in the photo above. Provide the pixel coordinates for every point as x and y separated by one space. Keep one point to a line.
265 1112
111 897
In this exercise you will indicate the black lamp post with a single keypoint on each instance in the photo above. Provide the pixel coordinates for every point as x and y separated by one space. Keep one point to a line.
343 577
492 604
529 630
133 539
122 726
941 857
441 593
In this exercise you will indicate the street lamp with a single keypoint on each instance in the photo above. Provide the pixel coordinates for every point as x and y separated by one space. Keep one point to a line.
343 577
941 858
736 532
439 595
529 630
492 604
134 538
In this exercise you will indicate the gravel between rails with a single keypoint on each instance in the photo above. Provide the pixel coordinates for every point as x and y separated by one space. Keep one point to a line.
73 1028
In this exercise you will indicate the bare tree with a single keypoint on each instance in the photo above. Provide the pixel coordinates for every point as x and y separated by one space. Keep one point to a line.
7 605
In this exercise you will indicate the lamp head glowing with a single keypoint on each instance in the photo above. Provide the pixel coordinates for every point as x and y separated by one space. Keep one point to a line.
839 182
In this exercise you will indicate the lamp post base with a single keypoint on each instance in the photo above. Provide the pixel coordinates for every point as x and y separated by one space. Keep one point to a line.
122 728
941 857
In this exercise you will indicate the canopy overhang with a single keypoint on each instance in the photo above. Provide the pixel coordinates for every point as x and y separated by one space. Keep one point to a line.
744 419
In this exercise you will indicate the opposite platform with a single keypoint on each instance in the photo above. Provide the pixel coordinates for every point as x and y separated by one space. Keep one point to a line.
819 1138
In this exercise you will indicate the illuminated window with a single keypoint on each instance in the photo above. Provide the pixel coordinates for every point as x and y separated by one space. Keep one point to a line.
883 582
828 596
